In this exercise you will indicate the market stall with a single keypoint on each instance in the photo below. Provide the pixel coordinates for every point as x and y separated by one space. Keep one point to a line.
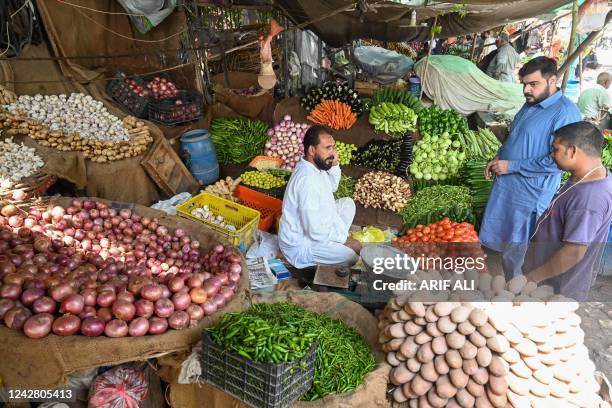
95 289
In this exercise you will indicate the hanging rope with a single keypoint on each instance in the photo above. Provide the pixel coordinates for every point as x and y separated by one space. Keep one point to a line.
118 13
128 37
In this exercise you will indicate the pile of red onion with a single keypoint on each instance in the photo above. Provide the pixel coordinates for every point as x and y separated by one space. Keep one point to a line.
286 142
162 88
136 87
95 270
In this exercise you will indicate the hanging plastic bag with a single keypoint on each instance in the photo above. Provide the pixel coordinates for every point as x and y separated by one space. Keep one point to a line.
267 77
169 206
265 245
146 15
119 387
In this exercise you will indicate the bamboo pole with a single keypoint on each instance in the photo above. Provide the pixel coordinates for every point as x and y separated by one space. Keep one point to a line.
427 58
553 21
572 41
580 71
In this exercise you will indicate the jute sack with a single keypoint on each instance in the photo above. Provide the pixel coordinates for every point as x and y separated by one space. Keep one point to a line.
250 106
370 394
47 362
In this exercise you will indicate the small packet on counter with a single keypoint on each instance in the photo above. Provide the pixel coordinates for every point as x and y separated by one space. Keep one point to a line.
279 269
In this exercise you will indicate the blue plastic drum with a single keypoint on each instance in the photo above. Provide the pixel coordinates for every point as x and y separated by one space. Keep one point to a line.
414 86
572 91
198 153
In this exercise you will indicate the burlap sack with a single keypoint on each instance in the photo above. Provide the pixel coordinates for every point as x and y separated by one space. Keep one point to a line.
47 362
249 106
370 394
122 180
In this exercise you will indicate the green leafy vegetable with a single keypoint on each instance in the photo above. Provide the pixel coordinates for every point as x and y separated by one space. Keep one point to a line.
346 187
434 203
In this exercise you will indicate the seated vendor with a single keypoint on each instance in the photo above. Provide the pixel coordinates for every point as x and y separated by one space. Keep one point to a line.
314 227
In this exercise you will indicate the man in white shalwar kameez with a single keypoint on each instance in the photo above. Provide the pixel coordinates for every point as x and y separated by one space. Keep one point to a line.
503 66
314 227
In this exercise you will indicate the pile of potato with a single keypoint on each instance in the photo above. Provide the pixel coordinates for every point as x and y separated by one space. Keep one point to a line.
96 150
524 349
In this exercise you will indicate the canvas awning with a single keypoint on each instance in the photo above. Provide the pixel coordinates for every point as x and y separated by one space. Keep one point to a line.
338 22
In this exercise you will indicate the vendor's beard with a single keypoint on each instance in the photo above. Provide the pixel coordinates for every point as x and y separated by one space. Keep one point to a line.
539 99
324 164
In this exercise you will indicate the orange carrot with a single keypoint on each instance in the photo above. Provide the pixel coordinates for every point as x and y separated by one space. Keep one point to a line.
333 113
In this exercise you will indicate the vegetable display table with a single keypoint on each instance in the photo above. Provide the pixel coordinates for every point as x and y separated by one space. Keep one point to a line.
486 120
359 134
363 216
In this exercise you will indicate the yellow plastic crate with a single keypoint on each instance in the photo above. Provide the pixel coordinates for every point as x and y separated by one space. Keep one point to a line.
244 218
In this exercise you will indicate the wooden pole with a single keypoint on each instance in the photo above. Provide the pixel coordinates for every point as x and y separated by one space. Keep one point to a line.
427 58
474 47
580 71
572 42
197 54
583 46
286 79
553 21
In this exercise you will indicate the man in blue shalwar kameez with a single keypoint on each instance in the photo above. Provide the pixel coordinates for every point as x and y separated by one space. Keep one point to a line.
526 176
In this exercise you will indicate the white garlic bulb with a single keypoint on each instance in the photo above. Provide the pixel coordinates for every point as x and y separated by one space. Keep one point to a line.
77 113
17 162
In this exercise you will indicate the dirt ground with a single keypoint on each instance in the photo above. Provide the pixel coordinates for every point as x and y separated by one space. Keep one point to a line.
597 324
